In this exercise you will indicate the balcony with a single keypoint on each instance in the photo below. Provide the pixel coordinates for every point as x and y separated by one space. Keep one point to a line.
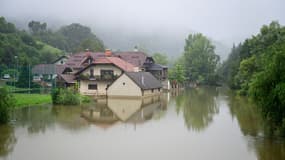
98 77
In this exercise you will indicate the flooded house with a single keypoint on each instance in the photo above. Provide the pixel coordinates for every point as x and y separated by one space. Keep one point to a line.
135 84
98 75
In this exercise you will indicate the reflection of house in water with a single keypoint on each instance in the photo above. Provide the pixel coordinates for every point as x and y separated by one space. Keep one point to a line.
105 113
99 114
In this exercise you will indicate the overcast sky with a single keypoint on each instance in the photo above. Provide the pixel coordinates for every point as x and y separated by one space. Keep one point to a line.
223 20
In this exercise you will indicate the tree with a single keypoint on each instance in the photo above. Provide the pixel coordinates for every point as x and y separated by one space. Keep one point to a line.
91 44
26 79
77 35
268 87
200 59
37 27
177 73
160 58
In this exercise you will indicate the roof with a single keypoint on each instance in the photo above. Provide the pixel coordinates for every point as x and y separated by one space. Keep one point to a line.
69 78
59 58
156 67
75 60
144 80
44 69
135 58
48 69
123 65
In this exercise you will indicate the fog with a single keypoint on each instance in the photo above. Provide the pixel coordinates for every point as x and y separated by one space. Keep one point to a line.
225 21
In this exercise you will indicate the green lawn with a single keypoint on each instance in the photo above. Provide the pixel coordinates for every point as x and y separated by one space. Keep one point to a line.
23 100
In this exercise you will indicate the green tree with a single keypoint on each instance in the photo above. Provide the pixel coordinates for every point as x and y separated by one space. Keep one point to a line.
160 58
176 74
37 27
200 59
75 34
26 78
91 44
268 87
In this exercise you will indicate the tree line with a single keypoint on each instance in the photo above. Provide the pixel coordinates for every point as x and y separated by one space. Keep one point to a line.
255 68
42 45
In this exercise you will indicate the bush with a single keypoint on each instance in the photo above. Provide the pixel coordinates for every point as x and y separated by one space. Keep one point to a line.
6 102
65 97
85 99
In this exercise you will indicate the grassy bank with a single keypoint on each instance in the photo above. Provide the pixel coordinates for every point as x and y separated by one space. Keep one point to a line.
22 100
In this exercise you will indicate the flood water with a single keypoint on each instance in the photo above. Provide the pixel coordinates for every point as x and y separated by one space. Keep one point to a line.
199 124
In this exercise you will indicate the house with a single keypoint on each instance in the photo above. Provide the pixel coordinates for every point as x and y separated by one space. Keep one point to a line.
134 84
147 64
100 73
48 72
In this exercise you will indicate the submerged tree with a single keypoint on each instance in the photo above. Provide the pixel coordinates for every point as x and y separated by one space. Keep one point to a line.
200 59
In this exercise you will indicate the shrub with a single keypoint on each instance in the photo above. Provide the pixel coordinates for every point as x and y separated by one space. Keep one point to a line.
85 99
65 97
6 102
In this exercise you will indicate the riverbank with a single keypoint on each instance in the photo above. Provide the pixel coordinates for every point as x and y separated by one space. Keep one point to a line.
24 100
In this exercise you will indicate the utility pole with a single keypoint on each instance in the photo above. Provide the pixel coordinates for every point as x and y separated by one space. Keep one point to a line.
29 80
15 70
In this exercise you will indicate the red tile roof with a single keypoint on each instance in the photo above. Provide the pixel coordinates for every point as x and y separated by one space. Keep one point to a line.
125 66
135 58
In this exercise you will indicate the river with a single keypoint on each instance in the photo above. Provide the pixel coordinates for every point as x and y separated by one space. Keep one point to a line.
200 124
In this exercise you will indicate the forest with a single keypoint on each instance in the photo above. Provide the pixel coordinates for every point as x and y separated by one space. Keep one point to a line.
42 45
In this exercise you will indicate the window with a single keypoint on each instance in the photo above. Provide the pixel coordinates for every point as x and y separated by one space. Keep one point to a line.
92 86
124 83
91 72
152 90
61 62
107 74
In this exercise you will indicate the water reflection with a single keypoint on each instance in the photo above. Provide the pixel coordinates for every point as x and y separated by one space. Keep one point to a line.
7 140
255 129
68 117
107 112
198 106
237 130
35 119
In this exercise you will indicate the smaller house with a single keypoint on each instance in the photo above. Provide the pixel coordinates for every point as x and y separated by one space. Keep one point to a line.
134 84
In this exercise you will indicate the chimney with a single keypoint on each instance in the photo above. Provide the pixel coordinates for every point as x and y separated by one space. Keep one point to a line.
87 53
142 80
136 49
108 53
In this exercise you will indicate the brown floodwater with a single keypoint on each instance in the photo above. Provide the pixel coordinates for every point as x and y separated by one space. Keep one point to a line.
199 124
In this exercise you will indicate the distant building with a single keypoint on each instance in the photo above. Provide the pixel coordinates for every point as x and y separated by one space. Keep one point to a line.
135 84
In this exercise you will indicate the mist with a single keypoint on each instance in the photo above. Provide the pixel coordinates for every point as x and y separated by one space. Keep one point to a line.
160 26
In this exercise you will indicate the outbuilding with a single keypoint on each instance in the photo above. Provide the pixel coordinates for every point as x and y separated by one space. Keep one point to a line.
135 84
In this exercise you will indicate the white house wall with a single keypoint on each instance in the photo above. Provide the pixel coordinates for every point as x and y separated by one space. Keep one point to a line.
124 86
